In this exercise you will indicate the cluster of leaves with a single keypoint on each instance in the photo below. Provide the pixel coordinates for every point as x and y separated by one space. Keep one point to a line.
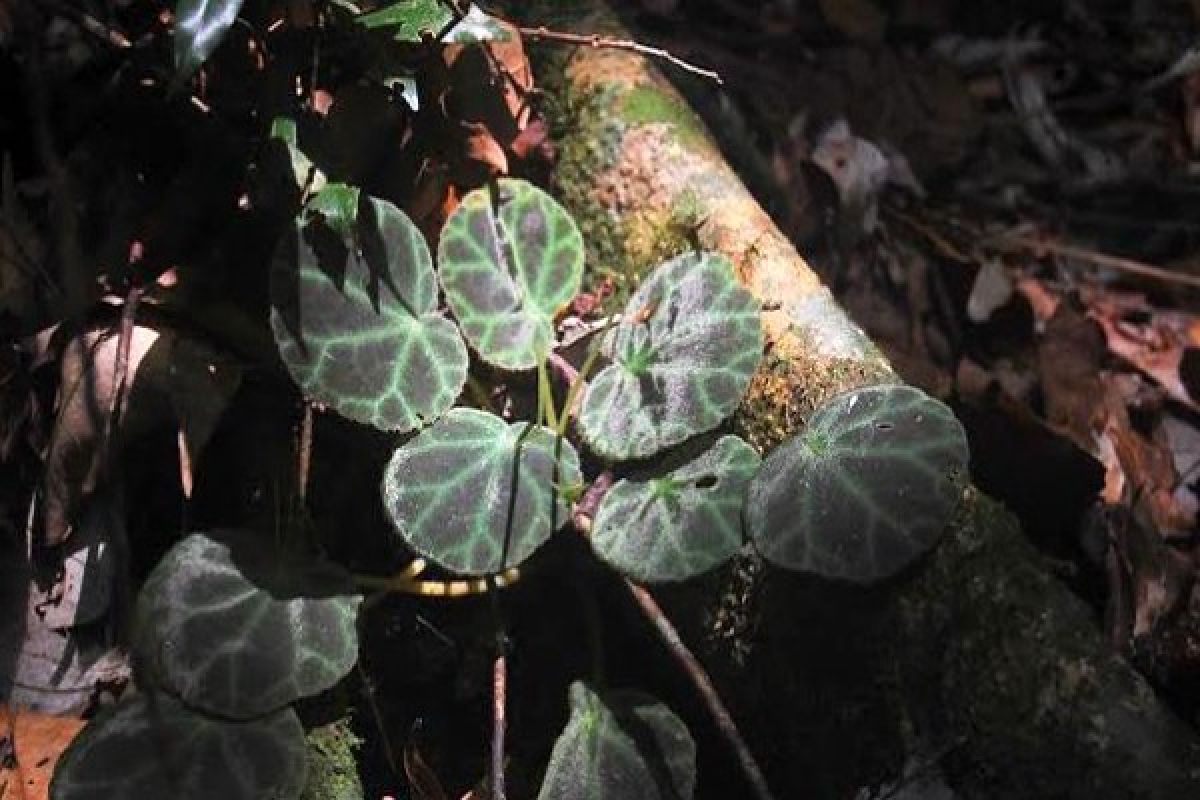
233 629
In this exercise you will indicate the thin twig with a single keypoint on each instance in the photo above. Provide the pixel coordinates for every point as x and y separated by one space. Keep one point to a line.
304 454
377 716
105 33
118 404
679 651
543 33
1118 263
499 698
118 401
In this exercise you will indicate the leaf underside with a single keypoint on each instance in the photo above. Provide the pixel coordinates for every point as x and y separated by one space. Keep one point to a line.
866 488
354 312
450 491
621 745
672 525
152 746
509 269
237 628
682 357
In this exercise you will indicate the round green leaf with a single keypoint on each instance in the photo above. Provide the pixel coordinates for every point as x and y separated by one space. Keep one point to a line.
471 484
508 269
682 357
867 487
152 746
622 745
238 628
199 27
354 311
672 524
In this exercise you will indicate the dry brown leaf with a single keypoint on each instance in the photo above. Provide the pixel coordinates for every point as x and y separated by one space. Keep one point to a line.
38 741
482 106
1090 408
170 378
87 385
482 148
1152 579
1042 301
1149 467
1069 358
859 170
1155 347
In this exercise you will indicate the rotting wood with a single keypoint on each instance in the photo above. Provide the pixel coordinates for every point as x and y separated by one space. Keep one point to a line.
977 652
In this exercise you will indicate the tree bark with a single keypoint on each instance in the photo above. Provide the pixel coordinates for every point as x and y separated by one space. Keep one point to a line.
976 655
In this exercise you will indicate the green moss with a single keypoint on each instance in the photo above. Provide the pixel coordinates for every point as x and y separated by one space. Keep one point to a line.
785 392
591 142
647 104
688 212
332 767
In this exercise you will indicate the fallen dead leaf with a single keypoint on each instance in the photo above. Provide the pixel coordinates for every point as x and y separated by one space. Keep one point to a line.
38 740
1042 300
1155 346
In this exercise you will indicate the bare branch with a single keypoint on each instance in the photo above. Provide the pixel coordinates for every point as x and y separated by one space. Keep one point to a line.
543 33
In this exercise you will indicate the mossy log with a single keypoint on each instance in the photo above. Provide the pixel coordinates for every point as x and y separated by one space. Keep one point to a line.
332 766
977 655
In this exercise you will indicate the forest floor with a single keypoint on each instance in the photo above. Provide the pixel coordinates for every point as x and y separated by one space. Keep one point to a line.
1005 197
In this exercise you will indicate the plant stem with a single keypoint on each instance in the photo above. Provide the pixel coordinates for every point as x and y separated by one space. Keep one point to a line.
546 398
585 510
563 368
670 637
576 386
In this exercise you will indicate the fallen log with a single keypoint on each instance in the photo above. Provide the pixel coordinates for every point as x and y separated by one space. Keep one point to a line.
977 655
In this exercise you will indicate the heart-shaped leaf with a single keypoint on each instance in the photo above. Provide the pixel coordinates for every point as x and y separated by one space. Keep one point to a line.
672 524
410 20
154 746
683 354
354 311
301 172
238 628
336 206
508 269
199 27
476 494
620 745
867 487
